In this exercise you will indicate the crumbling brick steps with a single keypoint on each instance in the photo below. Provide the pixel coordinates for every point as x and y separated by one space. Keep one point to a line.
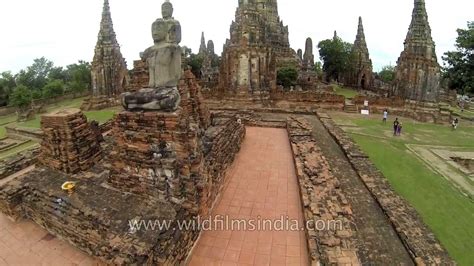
418 239
323 201
69 143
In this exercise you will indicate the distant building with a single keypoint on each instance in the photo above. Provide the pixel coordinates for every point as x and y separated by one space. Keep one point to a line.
418 72
109 69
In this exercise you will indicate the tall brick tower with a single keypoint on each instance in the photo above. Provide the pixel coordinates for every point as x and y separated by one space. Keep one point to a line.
109 69
418 72
257 47
361 76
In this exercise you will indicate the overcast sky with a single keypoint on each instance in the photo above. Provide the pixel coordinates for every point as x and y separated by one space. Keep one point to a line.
65 31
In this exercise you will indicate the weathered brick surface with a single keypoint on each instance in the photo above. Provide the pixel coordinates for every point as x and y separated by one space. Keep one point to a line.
96 219
323 200
18 162
160 166
418 239
69 143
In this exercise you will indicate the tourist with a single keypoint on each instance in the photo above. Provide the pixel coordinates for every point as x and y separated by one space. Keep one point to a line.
395 126
455 123
399 129
385 116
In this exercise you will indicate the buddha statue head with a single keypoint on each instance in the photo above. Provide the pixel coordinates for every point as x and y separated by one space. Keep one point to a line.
159 31
167 9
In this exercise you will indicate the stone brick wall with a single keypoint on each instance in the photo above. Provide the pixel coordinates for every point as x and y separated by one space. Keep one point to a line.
418 239
221 143
96 219
323 200
18 162
69 142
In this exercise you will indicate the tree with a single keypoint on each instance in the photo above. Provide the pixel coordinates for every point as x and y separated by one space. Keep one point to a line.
287 76
7 84
21 97
79 77
459 64
318 68
57 73
337 57
35 76
195 62
387 74
53 89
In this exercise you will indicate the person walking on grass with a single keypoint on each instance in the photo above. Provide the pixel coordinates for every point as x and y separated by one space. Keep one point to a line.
455 123
385 116
395 126
399 129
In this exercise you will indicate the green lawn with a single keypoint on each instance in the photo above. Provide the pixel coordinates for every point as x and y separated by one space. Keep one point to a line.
346 92
443 208
100 116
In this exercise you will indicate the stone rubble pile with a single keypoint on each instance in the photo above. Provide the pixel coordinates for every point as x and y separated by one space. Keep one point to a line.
324 202
418 239
69 144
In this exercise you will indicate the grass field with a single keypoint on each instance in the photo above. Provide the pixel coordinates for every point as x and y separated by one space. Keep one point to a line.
443 208
346 92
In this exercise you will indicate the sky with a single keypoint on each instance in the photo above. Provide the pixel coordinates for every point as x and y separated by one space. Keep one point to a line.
65 31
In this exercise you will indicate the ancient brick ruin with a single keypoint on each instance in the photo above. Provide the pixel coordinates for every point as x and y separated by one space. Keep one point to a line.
362 76
69 143
257 47
167 153
210 65
109 69
418 72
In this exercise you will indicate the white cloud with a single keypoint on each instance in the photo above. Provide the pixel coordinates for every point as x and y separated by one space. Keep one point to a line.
66 31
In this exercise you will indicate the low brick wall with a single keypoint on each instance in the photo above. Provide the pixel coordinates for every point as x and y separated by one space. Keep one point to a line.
323 200
18 162
418 239
23 133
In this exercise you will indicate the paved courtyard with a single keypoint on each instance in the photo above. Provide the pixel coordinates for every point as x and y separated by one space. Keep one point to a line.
25 243
262 183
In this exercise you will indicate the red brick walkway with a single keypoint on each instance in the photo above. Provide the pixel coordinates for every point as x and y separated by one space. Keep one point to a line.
262 184
27 244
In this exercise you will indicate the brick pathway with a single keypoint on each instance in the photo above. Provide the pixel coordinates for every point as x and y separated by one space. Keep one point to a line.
27 244
262 183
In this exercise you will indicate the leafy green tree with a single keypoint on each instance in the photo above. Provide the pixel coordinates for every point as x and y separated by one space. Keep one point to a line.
459 64
337 57
21 97
7 84
195 62
287 76
387 74
318 68
53 89
57 73
35 76
79 77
